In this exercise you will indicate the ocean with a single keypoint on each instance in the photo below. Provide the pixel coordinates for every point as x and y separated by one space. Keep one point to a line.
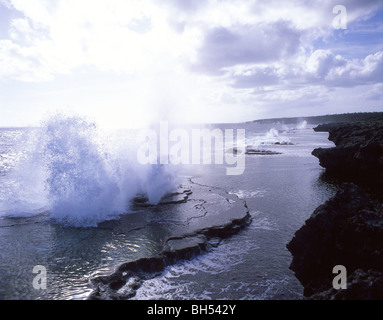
65 186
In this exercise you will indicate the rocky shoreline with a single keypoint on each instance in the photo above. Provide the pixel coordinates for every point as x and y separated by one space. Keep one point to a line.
198 217
348 229
358 155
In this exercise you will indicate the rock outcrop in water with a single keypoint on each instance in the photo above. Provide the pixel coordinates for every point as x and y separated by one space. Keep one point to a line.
348 229
254 151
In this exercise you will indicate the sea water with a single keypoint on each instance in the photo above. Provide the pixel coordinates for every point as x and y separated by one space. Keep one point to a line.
57 182
281 192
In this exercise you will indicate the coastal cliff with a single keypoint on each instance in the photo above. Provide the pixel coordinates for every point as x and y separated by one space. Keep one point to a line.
348 229
358 155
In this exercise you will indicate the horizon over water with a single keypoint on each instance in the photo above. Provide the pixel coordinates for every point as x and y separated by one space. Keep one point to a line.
60 181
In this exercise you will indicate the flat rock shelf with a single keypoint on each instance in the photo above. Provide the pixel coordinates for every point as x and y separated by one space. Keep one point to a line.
191 220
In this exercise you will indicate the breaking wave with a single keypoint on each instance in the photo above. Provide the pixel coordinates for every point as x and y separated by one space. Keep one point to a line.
271 137
78 176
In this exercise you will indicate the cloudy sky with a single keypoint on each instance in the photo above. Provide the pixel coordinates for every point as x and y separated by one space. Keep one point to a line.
126 62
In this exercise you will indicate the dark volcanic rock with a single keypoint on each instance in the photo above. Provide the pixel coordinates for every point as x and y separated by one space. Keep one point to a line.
343 231
358 155
125 281
348 229
261 152
252 151
361 285
179 196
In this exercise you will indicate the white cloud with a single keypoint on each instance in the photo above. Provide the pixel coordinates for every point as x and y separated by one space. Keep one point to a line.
111 35
334 70
321 68
323 62
375 93
21 63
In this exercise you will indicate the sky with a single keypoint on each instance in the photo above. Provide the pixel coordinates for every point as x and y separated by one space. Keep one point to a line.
127 63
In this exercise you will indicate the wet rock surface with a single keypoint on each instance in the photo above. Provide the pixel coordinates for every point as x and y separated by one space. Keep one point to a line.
195 217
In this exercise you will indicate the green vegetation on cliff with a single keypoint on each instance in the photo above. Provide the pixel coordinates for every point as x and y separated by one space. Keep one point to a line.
333 118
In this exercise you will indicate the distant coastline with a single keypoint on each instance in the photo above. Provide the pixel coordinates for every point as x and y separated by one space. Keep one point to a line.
329 118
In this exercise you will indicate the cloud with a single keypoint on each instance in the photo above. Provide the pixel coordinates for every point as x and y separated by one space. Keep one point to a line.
140 25
374 94
20 63
190 6
333 70
57 37
246 44
320 68
322 62
257 76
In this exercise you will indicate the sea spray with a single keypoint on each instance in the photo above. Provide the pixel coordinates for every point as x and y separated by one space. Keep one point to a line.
79 179
22 188
302 125
79 183
271 137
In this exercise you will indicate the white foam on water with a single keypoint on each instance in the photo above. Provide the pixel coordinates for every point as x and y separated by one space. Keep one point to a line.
261 222
175 283
245 194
